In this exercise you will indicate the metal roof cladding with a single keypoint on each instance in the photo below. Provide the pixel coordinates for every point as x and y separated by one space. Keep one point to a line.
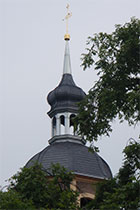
65 96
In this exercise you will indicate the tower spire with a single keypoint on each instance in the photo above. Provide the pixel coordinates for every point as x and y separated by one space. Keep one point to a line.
63 100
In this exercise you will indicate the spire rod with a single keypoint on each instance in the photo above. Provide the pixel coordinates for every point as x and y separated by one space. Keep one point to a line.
69 14
67 63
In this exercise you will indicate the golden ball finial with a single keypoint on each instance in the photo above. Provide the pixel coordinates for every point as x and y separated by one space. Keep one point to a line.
67 37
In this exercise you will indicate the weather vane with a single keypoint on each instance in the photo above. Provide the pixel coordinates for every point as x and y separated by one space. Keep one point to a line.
69 14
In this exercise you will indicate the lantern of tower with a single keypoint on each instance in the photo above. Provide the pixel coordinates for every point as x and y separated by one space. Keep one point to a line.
63 101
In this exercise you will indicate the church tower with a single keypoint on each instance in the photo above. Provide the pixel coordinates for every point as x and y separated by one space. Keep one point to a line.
65 146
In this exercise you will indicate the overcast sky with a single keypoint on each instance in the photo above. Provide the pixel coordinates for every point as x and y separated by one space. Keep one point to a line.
31 65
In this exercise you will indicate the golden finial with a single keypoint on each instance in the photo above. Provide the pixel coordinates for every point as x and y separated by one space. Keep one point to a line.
69 14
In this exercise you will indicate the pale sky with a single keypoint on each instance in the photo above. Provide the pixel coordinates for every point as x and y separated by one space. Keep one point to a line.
31 65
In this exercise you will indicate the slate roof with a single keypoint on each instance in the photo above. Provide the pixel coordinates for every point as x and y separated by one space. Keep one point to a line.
74 157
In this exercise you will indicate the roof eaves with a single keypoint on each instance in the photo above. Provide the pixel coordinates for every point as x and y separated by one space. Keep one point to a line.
88 175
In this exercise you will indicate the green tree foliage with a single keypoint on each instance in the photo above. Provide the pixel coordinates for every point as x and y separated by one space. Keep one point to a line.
123 191
35 188
116 94
12 200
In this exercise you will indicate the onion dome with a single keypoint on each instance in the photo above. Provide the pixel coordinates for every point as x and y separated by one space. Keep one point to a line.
65 96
